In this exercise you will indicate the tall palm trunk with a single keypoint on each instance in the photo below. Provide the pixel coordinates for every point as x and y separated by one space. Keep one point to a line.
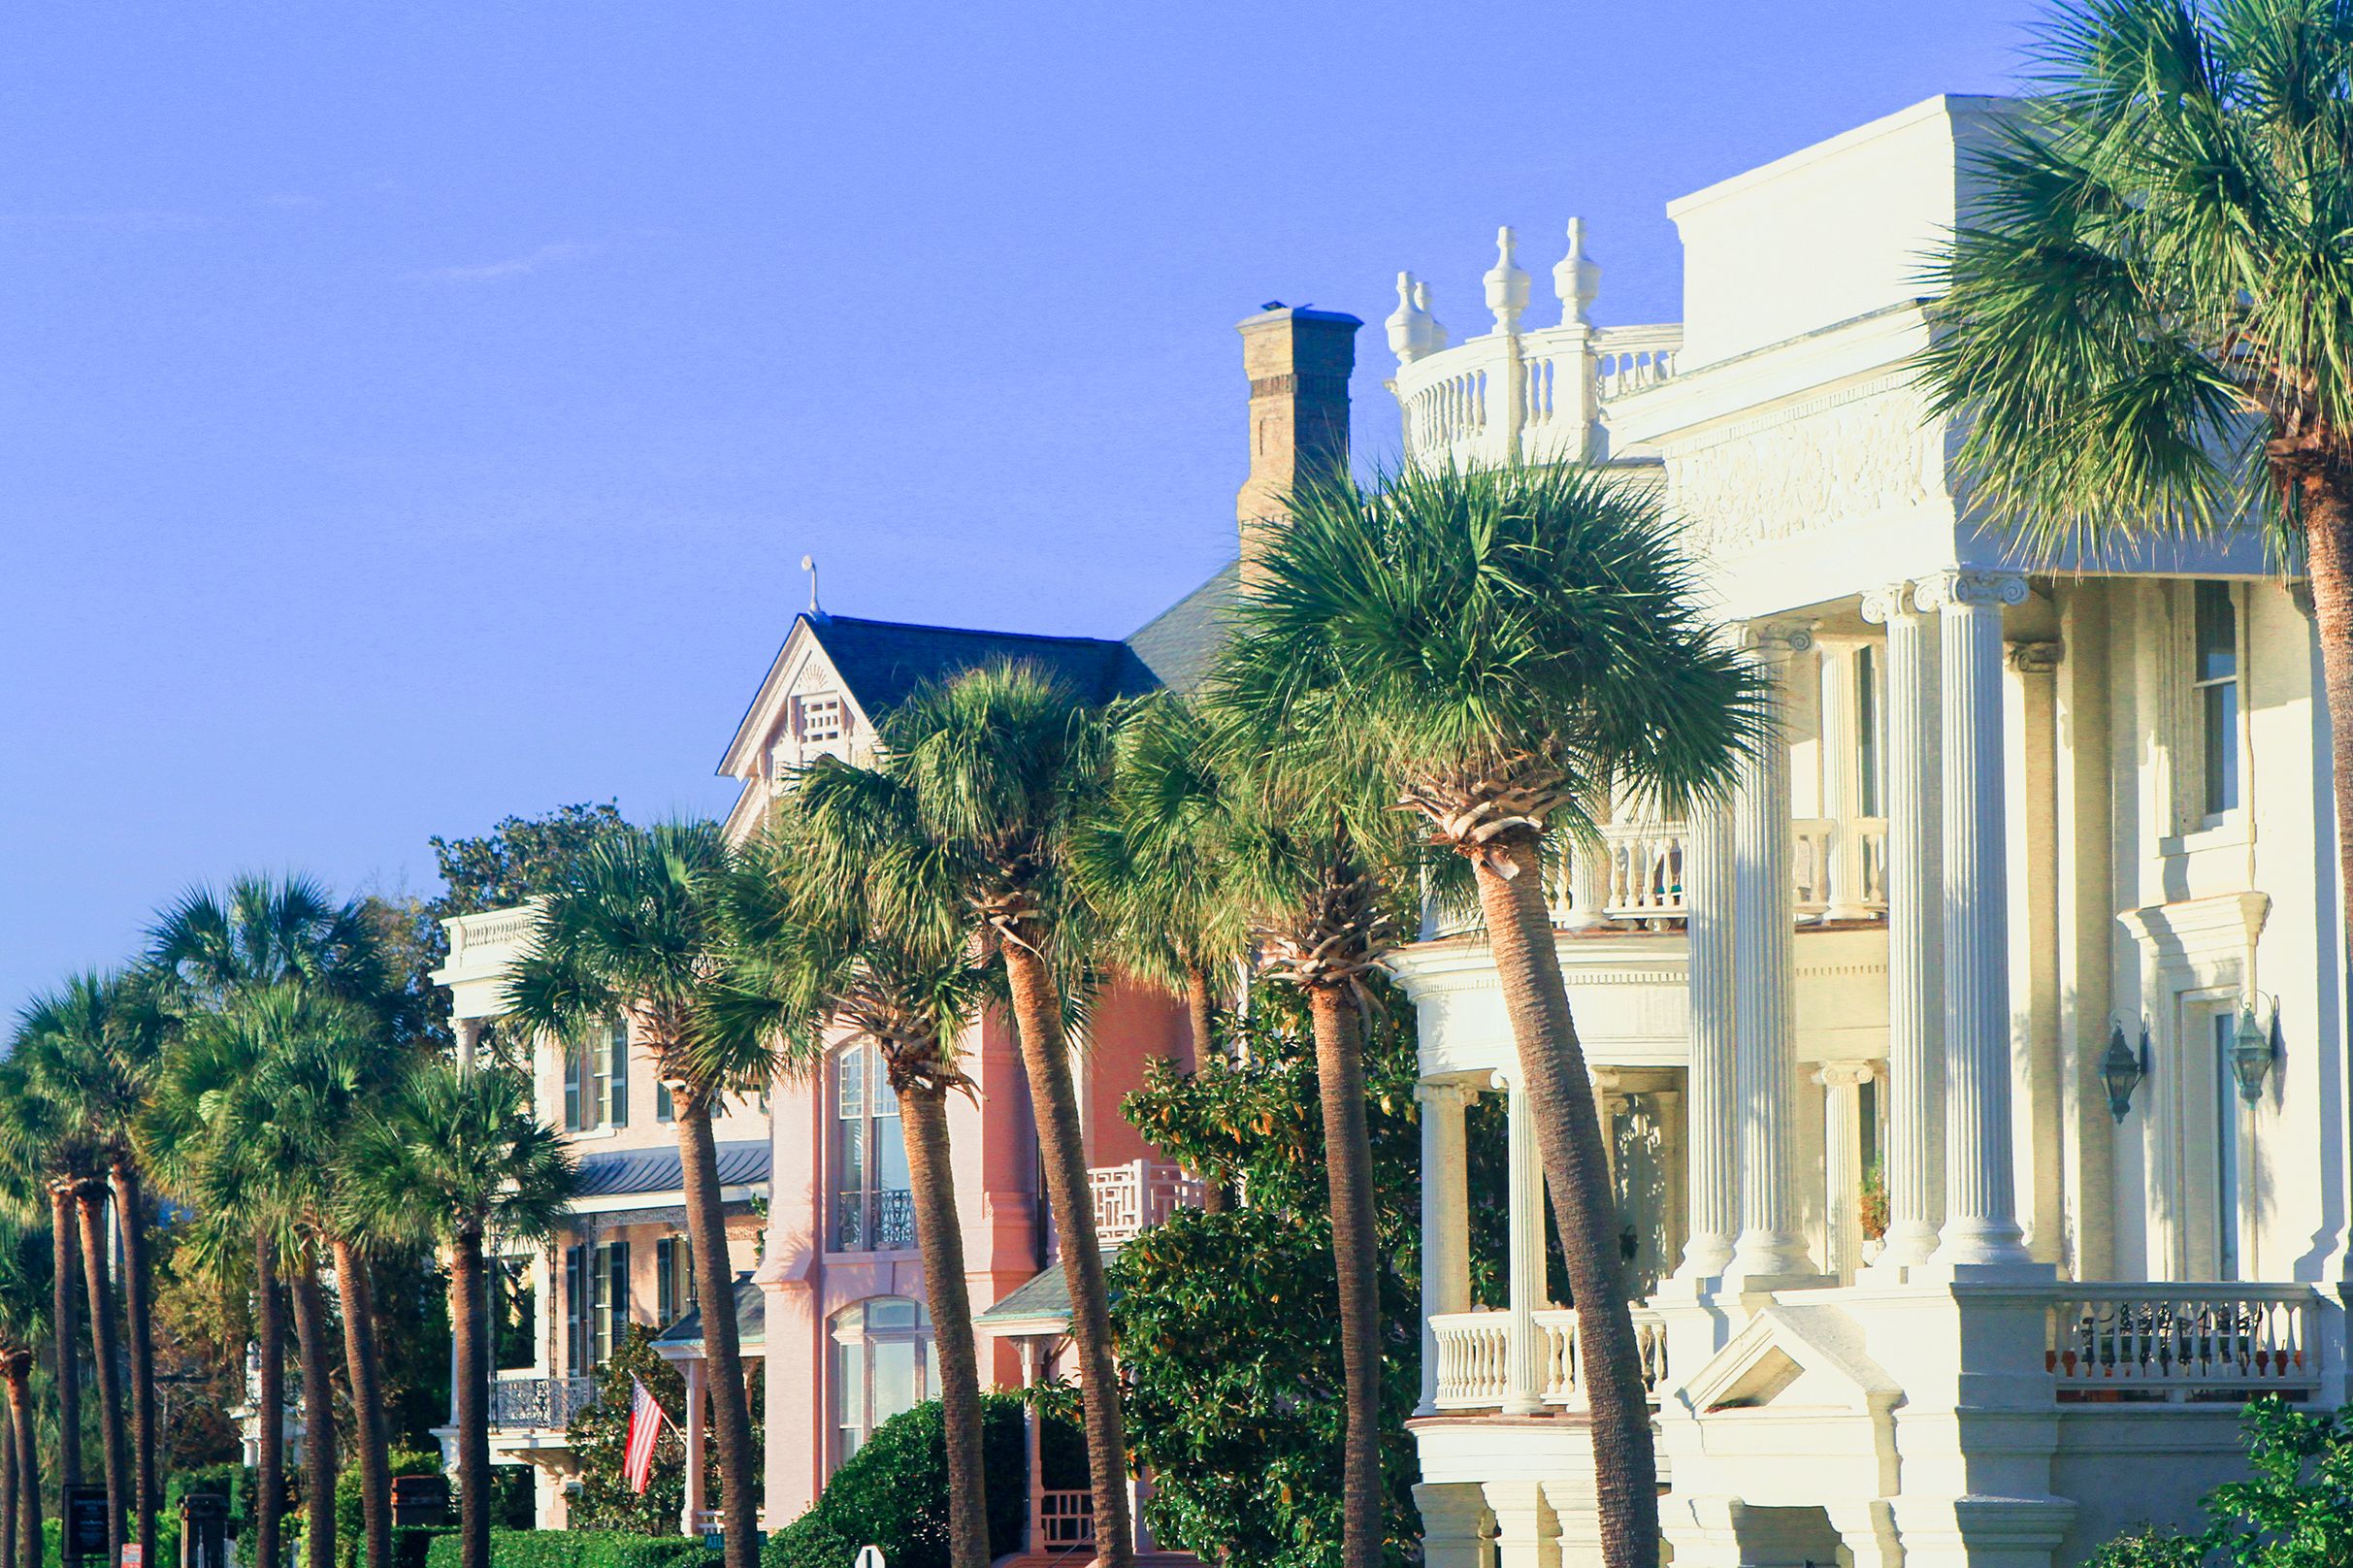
28 1462
269 1335
714 1280
89 1203
1348 1166
318 1412
9 1538
364 1366
131 1222
64 1331
470 1318
1062 1148
1575 1168
1201 1012
939 1233
2325 494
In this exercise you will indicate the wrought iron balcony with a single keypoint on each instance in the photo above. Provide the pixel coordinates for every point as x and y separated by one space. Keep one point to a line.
522 1403
873 1221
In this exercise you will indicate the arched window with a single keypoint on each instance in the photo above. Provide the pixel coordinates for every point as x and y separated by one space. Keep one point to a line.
884 1362
872 1211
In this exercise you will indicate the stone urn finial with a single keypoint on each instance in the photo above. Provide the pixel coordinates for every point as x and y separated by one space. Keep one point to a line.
1507 283
1577 279
1409 337
1422 303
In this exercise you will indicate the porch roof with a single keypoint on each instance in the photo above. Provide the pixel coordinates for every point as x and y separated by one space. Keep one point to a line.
1040 1305
682 1341
659 1170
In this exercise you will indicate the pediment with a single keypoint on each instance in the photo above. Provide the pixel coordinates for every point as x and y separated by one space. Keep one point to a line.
1794 1358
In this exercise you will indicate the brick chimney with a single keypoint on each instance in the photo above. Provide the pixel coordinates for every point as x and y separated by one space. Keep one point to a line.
1297 360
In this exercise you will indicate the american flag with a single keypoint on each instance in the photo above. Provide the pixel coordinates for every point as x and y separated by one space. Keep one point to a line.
645 1418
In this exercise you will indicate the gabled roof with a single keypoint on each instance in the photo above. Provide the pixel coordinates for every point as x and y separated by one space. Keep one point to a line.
883 661
659 1170
1179 645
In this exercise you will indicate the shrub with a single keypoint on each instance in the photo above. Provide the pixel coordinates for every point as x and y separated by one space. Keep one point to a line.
571 1548
350 1517
892 1492
412 1544
2295 1512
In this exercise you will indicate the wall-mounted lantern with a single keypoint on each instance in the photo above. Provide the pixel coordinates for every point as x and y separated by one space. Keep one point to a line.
2122 1067
2251 1050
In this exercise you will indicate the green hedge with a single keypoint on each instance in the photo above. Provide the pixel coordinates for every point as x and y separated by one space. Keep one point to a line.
893 1493
574 1549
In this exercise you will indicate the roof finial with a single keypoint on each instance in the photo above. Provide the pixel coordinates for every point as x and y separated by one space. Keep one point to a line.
1507 283
1422 303
1409 326
1577 279
808 564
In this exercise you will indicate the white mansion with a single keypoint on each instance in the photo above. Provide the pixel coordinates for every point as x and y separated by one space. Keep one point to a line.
1977 1077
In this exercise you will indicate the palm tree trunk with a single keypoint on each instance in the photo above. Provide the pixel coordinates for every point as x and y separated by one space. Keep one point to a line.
65 1330
1201 1013
939 1233
88 1204
318 1413
363 1365
2326 494
28 1466
131 1221
10 1540
469 1317
270 1334
1575 1168
1062 1149
1348 1166
714 1280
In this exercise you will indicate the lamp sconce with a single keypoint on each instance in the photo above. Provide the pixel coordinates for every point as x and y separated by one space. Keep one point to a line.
2252 1048
2122 1067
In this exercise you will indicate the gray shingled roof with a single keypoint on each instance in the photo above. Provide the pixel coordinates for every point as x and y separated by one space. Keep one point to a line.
1044 1298
751 1318
658 1170
883 661
1179 645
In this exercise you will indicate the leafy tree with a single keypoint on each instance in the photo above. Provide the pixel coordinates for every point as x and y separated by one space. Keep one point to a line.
633 928
2147 323
1225 1341
599 1433
2296 1510
520 858
454 1155
1502 646
814 959
984 781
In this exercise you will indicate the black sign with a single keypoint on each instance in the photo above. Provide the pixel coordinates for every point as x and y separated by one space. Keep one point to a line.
420 1500
86 1520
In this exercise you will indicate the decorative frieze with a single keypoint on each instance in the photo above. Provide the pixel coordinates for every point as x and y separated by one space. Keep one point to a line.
1854 454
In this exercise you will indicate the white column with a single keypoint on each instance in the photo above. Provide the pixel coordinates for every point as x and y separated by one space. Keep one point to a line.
469 1031
1524 1394
1980 1220
1841 760
1446 1255
1916 960
1527 1533
691 1524
1764 917
1033 1536
1712 1111
1589 873
1843 1164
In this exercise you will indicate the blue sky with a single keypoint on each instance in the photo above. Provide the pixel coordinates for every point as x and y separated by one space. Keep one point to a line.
414 413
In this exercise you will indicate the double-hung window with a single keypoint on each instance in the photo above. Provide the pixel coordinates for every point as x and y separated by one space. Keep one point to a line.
884 1362
873 1208
610 1285
595 1080
2214 680
673 1279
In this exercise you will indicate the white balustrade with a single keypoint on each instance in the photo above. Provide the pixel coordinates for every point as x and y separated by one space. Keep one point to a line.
1474 1363
1646 871
1131 1199
1457 402
1631 359
2180 1342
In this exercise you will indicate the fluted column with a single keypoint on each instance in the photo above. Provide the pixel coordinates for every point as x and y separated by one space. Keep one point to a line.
1524 1394
469 1031
1711 1108
1980 1204
1840 753
1446 1237
1843 1164
1764 916
1916 957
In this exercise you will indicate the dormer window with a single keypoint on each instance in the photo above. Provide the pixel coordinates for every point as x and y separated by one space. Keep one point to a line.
818 719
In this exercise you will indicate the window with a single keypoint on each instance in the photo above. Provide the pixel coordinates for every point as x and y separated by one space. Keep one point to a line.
2222 1026
611 1323
873 1210
673 1279
820 719
2214 674
665 1108
595 1080
1868 763
884 1364
616 1075
577 1350
514 1319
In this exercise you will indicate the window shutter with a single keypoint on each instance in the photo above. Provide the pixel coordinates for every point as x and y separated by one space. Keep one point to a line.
616 1077
576 1310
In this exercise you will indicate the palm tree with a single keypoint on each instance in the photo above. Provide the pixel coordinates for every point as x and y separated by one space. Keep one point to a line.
808 957
43 1166
58 1037
456 1157
1150 855
987 778
1499 647
2146 328
632 930
24 1322
208 950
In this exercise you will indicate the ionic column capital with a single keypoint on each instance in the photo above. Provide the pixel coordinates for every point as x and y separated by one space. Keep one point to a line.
2033 658
1844 1074
1970 589
1445 1093
1771 641
1892 602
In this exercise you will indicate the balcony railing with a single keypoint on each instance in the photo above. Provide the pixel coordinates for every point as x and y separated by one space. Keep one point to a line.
1473 403
2186 1344
1065 1523
1131 1198
1642 872
1474 1358
538 1402
873 1221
